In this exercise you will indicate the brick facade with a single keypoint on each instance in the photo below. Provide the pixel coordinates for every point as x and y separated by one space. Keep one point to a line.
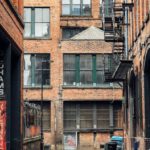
11 51
57 93
138 44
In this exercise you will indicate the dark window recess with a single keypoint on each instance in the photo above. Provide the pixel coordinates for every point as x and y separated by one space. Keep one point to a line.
33 70
92 115
46 113
37 22
88 69
86 116
70 116
47 147
32 117
103 116
68 33
46 116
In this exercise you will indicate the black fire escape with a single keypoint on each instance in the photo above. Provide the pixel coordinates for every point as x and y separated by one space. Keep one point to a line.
114 28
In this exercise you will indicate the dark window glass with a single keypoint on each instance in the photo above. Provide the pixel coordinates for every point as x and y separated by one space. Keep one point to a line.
69 116
68 33
91 115
86 115
31 117
69 69
46 147
37 22
46 113
87 69
33 69
103 119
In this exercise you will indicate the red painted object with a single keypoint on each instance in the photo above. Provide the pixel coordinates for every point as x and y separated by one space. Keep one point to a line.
2 125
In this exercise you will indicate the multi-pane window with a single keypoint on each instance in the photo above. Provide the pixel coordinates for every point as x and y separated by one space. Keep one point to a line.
76 7
100 8
106 7
46 113
37 22
92 115
36 70
86 116
102 115
70 112
86 69
32 117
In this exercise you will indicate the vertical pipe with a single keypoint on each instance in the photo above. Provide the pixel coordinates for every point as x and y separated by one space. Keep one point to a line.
42 145
126 31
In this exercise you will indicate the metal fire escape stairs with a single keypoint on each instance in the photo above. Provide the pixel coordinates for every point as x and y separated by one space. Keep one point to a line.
113 26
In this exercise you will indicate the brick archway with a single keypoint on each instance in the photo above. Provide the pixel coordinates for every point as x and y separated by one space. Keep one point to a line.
147 93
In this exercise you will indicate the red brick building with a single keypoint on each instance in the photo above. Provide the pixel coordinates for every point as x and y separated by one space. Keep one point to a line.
137 104
11 54
81 109
134 24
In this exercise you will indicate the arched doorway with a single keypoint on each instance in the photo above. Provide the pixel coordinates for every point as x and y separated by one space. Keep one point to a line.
147 94
133 108
132 104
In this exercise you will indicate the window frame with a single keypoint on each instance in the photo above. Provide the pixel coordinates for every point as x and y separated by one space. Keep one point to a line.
45 102
112 121
106 9
81 9
32 29
33 70
77 80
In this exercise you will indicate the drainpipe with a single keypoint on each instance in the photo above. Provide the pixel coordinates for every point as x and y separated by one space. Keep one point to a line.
126 31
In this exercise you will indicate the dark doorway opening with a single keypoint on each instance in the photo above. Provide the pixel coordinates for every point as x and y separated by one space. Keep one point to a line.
147 94
12 90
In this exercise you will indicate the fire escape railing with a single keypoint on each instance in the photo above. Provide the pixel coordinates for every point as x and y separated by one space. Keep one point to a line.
113 26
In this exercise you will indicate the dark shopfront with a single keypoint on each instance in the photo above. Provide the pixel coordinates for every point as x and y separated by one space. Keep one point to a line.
10 94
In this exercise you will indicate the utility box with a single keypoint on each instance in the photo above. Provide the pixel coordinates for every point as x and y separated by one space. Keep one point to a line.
111 146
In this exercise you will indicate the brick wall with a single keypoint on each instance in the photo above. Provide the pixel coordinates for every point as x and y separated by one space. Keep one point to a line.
138 45
56 48
9 21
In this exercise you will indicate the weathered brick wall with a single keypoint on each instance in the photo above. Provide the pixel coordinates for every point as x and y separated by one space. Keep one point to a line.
11 25
83 46
140 27
56 48
92 94
18 4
